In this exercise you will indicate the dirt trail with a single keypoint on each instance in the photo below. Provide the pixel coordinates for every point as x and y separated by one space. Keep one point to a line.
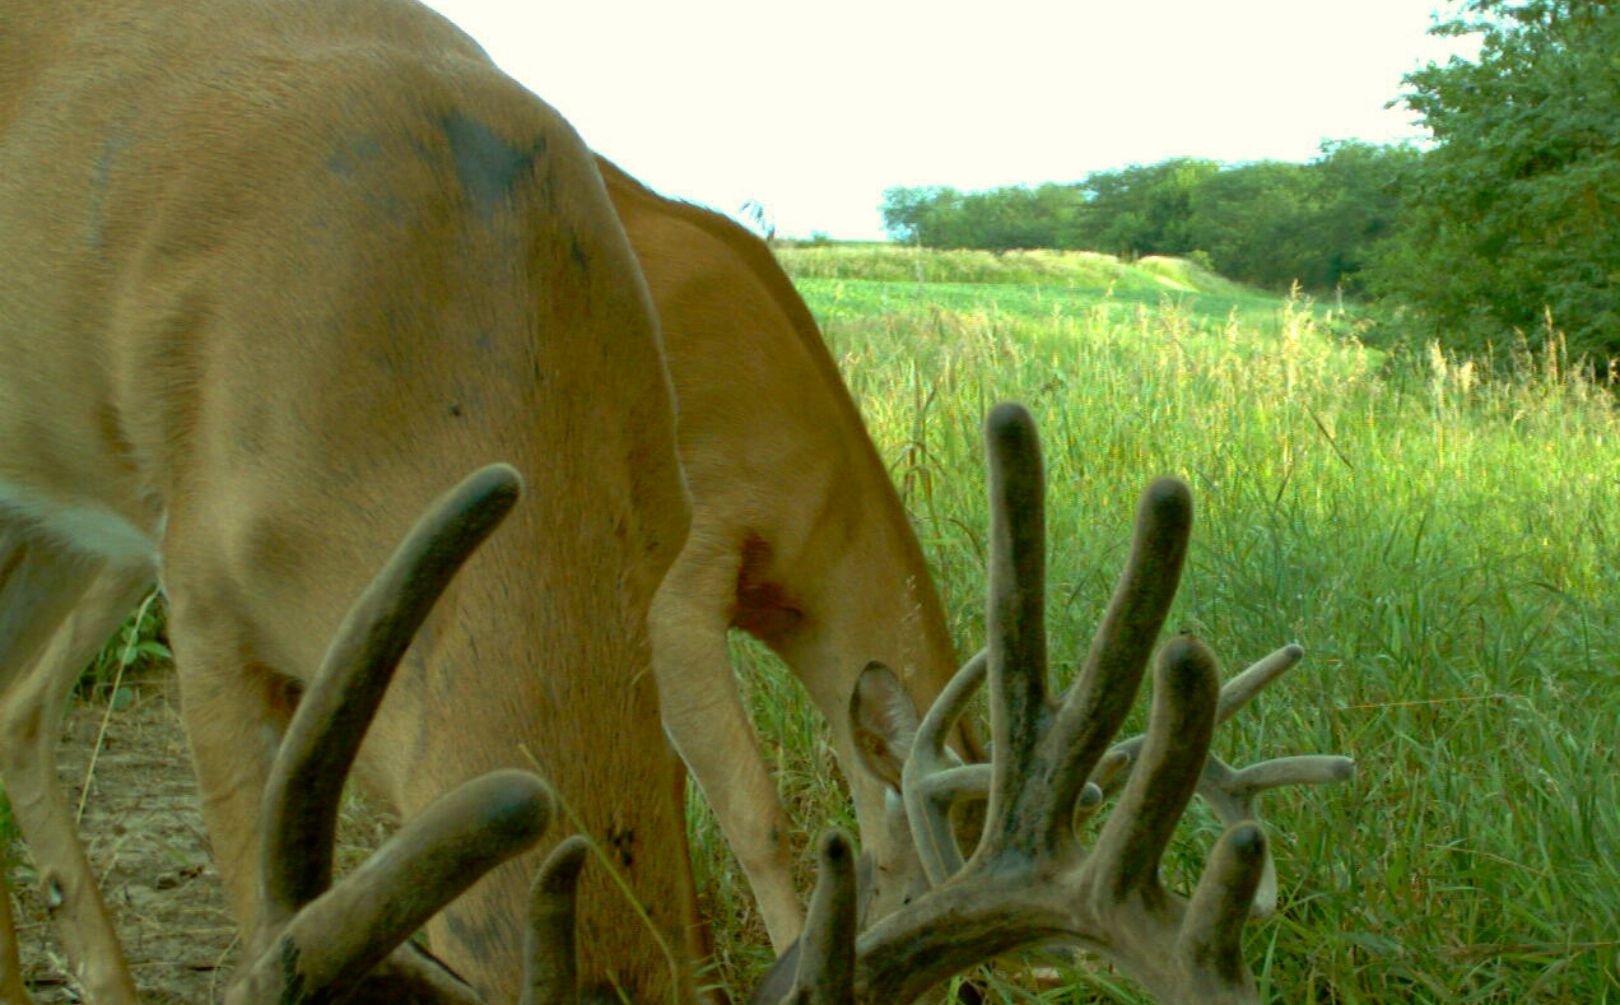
146 842
145 837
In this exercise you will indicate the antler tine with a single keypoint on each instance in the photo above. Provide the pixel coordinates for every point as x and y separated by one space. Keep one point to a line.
306 781
826 971
335 940
1235 695
819 967
319 944
1212 929
1181 724
932 781
1098 701
947 709
1241 690
1234 792
551 957
1016 620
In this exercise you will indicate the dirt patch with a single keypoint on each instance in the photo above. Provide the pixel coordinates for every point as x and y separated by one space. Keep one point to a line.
145 838
144 834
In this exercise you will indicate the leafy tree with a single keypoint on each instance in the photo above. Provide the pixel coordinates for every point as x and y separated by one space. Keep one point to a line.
1269 223
1274 223
1253 220
1143 209
998 220
1357 204
906 211
1516 210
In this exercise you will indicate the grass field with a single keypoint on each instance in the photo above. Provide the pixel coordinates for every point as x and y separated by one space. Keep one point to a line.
1440 539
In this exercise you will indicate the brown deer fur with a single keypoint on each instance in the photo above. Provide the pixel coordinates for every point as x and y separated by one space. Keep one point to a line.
272 276
797 537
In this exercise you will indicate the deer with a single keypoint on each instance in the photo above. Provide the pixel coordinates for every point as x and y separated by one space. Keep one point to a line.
806 546
798 538
1029 879
272 276
208 506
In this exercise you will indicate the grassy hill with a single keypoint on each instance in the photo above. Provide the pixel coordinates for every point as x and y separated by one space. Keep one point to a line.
860 279
1075 269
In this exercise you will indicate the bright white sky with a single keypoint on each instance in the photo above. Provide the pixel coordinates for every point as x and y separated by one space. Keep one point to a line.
814 108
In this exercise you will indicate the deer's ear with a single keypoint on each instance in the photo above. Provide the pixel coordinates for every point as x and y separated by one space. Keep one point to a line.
883 721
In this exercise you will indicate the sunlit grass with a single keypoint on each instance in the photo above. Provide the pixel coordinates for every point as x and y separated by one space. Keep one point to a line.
1441 540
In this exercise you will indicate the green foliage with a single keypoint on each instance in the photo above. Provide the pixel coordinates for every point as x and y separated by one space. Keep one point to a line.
1515 214
996 220
1267 223
1438 534
141 642
1144 210
1274 224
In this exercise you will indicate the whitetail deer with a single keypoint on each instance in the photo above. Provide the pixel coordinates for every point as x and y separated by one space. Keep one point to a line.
1030 879
272 275
797 537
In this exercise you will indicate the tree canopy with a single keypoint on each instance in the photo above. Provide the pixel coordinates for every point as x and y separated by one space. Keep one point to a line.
1266 222
1515 213
1509 218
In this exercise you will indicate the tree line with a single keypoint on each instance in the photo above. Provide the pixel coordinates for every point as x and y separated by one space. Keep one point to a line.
1510 217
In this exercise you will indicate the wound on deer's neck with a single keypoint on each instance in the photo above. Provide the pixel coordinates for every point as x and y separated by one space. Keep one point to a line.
764 608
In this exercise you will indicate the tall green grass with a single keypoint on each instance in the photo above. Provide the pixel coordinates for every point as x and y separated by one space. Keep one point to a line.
1441 539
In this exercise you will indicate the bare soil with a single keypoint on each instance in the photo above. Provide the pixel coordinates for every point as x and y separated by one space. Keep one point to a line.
145 838
144 834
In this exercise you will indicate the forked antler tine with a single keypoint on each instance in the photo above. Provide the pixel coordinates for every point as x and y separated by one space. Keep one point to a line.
550 955
336 939
1235 695
1098 701
1232 793
1109 898
306 780
932 781
1180 726
1015 620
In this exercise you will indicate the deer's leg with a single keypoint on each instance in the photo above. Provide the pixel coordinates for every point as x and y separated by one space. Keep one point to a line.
12 991
49 629
704 717
235 708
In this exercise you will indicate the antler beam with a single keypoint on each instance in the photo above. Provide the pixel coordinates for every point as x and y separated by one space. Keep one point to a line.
317 943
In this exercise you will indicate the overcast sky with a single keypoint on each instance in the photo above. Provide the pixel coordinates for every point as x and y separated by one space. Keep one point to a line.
814 108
